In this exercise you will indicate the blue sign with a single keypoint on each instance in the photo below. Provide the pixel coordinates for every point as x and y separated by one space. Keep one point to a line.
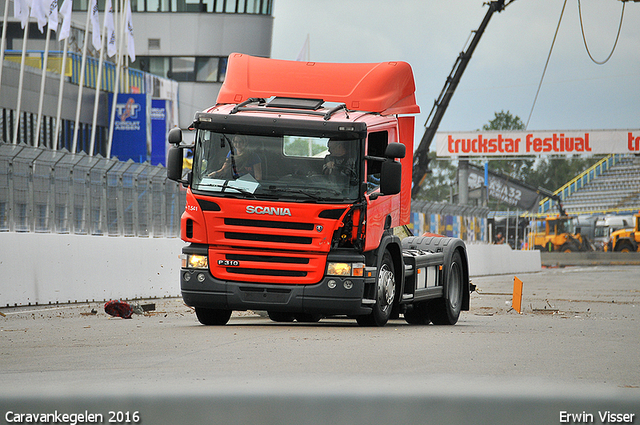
159 123
130 136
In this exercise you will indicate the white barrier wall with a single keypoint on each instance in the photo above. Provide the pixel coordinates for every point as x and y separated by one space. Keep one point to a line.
44 268
487 260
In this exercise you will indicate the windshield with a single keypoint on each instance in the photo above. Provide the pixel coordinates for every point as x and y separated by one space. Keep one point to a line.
277 167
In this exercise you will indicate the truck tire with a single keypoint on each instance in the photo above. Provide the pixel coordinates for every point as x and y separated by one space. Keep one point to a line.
385 294
212 317
569 247
418 314
625 246
279 316
446 310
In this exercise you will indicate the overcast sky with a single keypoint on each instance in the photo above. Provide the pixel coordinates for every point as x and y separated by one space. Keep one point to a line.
506 67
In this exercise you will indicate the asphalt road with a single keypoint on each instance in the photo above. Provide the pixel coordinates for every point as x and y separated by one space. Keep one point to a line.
579 328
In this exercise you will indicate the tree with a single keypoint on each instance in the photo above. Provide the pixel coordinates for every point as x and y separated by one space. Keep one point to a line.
437 183
517 169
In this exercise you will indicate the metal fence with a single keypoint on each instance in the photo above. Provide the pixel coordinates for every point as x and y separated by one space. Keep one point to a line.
58 192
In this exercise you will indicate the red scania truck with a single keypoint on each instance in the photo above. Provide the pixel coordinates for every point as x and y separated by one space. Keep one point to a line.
301 179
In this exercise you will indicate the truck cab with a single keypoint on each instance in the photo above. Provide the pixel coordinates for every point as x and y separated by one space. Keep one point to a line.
301 172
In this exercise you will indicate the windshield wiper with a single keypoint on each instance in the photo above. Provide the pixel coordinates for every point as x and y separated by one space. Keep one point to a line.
303 192
225 187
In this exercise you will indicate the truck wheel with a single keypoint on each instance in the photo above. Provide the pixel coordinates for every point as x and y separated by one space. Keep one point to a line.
568 248
212 317
279 316
625 247
446 310
417 314
385 295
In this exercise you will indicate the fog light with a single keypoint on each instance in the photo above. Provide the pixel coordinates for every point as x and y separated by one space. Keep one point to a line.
348 284
201 277
331 284
186 277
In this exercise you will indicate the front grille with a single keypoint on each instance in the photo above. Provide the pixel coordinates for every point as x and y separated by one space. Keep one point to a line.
268 224
267 259
266 272
268 238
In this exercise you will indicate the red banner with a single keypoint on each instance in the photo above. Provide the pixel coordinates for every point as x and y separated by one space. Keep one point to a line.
534 143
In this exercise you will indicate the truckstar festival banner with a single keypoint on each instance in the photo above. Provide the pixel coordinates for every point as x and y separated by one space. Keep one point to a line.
534 143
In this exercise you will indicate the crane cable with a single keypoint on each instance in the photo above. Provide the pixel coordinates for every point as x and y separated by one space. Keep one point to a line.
546 64
585 39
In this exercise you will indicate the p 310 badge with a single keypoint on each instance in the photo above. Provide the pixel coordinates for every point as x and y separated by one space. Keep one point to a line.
228 263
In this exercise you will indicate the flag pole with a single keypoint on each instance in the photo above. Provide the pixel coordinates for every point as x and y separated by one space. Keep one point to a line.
4 38
60 91
117 82
65 28
74 145
36 142
98 86
20 82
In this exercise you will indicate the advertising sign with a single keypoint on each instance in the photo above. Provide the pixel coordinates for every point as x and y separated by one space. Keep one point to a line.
131 128
159 129
535 143
505 190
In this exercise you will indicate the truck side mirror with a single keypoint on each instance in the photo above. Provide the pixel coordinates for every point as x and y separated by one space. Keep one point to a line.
395 150
391 177
175 136
174 163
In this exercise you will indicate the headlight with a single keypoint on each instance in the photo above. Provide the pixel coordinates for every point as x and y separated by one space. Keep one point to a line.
194 261
345 269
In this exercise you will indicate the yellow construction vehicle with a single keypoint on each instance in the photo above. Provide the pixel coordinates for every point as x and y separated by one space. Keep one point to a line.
557 232
625 240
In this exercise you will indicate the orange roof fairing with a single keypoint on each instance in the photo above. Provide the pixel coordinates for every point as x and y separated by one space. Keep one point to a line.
386 87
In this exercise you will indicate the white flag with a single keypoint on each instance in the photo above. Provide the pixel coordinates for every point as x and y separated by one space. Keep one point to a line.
111 30
95 26
53 14
21 11
38 11
65 11
131 48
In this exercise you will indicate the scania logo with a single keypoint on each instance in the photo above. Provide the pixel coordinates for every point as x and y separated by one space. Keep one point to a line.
257 209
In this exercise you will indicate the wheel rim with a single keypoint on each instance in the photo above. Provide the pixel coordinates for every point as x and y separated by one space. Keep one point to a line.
386 287
454 289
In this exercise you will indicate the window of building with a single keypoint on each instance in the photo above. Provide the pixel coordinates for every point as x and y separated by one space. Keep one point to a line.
205 69
260 7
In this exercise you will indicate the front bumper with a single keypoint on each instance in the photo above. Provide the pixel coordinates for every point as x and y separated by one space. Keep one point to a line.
332 295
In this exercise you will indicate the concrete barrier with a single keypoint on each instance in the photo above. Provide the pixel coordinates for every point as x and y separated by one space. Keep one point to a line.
563 259
49 268
46 268
485 259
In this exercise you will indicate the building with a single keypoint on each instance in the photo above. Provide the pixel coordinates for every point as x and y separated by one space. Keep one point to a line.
187 42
